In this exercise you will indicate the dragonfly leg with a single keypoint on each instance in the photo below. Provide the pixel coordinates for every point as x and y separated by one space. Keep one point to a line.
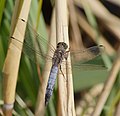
62 72
66 55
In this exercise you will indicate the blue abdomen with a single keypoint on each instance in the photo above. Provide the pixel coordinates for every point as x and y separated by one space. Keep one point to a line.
51 83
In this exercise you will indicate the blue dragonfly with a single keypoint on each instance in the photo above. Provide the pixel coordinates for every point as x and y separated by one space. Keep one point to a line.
34 45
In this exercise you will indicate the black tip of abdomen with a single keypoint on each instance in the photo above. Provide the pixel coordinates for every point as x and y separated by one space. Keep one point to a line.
47 97
46 103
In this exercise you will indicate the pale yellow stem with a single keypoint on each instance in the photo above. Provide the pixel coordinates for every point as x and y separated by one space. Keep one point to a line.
12 61
65 84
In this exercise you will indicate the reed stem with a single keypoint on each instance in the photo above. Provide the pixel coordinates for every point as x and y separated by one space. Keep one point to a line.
108 85
65 84
12 61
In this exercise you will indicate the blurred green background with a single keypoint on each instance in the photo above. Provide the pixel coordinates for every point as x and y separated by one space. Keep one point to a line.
84 80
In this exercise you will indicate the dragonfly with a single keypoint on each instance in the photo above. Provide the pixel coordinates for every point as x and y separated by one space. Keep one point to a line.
33 47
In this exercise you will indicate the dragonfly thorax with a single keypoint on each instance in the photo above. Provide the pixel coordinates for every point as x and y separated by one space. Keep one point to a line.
59 54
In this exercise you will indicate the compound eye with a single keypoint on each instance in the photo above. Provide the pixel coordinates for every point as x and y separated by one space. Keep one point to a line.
65 45
58 45
62 44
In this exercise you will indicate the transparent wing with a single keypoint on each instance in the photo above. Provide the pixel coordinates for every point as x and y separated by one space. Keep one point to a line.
85 67
86 54
35 46
87 59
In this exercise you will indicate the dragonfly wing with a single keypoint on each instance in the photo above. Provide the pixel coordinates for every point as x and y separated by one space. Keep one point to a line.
86 54
80 58
35 54
86 67
35 45
83 67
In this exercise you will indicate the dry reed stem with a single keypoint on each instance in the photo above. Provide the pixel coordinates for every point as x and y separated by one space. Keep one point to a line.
65 84
101 12
117 113
75 28
87 102
1 112
11 65
111 21
40 106
116 2
114 29
91 32
108 85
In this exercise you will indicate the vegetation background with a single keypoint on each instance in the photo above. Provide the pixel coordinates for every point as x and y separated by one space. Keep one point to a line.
99 23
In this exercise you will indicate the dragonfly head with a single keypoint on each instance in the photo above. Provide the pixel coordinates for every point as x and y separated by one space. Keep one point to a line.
62 44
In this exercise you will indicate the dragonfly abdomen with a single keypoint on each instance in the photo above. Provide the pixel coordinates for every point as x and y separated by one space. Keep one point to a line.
51 83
